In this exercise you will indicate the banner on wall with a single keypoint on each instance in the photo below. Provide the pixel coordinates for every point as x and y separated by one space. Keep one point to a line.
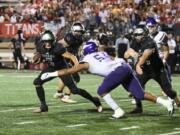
8 30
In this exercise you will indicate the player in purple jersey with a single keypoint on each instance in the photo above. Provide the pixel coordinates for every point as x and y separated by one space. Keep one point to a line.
115 72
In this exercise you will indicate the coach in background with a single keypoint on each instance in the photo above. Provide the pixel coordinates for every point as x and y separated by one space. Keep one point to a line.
18 49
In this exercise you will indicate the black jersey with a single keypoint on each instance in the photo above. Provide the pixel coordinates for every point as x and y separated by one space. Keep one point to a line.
53 57
161 39
154 62
16 44
73 42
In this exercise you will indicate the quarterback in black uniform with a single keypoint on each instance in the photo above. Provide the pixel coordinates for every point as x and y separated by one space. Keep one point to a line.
54 55
72 42
149 65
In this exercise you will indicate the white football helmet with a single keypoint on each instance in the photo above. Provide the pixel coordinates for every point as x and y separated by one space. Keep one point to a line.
77 29
46 37
139 33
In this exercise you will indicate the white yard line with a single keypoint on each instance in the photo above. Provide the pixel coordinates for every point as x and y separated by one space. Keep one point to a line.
127 128
25 122
176 128
77 125
171 133
24 76
31 108
24 109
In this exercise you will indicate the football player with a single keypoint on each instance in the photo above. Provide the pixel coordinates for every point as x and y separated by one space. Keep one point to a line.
115 72
149 65
72 41
161 38
104 44
54 54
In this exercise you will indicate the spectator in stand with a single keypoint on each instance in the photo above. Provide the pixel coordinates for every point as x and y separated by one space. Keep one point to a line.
2 18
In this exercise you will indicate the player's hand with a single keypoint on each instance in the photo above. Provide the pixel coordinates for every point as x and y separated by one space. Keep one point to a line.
45 76
139 69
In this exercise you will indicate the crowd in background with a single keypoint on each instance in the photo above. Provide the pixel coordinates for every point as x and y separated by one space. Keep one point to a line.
113 17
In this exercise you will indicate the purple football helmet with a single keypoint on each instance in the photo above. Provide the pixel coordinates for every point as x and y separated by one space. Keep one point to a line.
90 47
151 25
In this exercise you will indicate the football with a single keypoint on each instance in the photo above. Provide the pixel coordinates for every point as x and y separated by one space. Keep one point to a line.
37 58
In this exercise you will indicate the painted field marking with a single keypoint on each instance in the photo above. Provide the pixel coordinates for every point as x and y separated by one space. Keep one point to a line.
24 109
77 125
25 122
31 108
127 128
176 128
171 133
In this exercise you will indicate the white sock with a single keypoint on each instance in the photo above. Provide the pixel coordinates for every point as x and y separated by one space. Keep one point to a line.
108 99
161 101
53 74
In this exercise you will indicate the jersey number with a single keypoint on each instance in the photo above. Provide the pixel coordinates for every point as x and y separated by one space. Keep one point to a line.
99 57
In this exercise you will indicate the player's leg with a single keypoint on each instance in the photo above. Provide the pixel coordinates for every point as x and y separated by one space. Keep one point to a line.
68 81
15 59
63 93
38 83
67 92
59 93
135 88
168 69
166 86
114 79
21 59
67 96
142 80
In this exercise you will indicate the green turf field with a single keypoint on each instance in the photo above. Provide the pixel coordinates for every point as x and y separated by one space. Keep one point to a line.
18 99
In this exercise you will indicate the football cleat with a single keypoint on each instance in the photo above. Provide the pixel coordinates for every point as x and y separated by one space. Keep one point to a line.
98 104
41 109
170 107
66 99
99 109
58 95
137 110
133 101
118 113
